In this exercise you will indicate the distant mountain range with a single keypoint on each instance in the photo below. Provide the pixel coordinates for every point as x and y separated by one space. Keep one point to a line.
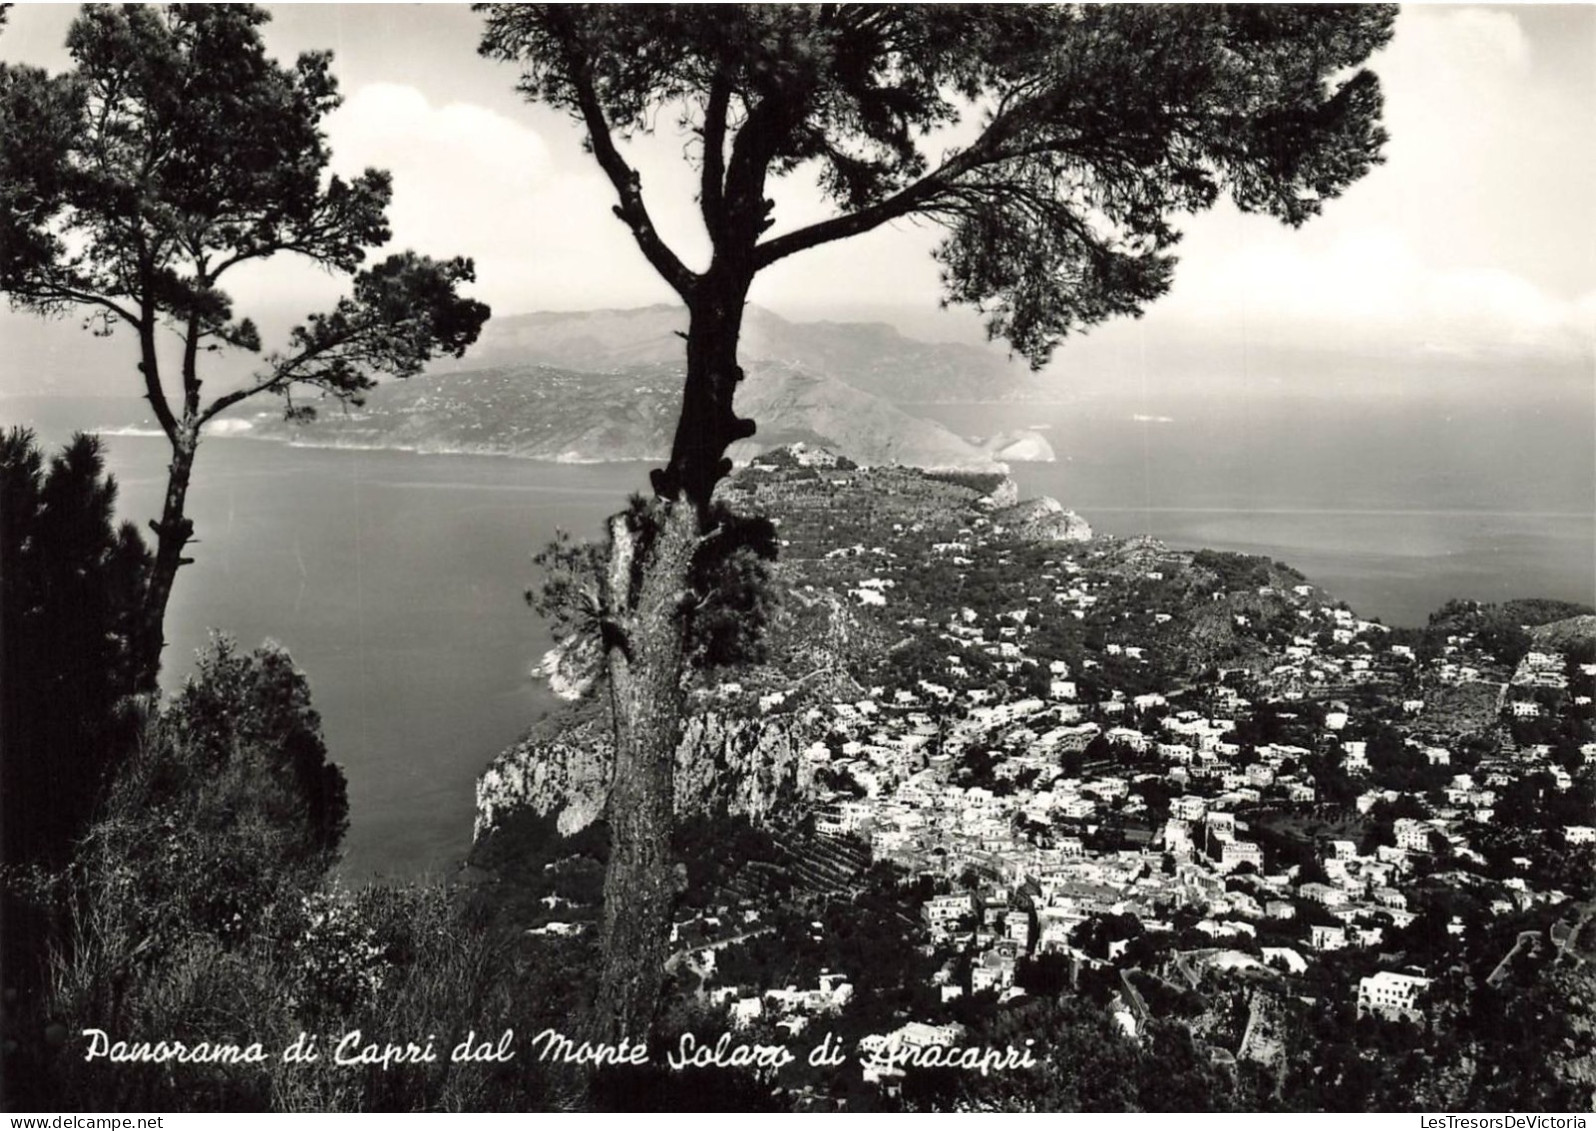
871 356
605 385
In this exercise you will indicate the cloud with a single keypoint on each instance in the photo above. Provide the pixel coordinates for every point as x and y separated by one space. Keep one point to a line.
1474 235
1473 238
463 175
1468 40
471 181
394 126
463 180
1372 285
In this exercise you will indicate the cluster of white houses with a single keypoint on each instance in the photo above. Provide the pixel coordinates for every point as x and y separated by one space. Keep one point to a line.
1017 893
1011 852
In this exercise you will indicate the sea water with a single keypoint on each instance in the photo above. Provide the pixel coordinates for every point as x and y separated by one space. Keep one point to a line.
396 580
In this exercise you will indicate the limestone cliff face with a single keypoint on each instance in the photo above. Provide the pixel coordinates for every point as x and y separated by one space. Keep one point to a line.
1043 520
748 766
567 773
753 767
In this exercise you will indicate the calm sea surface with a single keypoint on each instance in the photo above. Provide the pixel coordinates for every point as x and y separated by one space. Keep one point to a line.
1393 506
395 580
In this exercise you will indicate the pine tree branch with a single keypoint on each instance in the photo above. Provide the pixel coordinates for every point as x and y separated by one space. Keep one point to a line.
711 192
912 198
628 184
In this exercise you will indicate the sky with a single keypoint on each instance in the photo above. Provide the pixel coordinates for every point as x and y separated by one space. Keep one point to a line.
1474 242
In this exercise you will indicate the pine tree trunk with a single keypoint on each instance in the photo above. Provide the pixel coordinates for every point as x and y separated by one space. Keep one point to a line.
648 591
172 532
646 699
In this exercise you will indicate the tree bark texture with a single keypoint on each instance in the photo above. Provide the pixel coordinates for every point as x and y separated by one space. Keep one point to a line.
648 592
651 582
173 532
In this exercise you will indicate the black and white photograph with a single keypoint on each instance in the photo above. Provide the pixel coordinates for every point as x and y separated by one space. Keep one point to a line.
798 558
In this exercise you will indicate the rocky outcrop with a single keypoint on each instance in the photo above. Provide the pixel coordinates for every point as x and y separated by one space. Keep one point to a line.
746 766
752 767
1005 494
1043 520
572 666
566 773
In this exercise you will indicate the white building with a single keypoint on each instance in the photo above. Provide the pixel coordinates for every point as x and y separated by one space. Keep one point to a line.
1325 937
1411 835
1235 853
947 910
1392 996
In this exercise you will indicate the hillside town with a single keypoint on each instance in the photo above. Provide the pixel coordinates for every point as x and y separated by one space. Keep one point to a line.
1188 785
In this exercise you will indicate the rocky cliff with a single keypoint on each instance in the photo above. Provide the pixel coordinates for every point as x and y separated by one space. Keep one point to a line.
1043 520
1005 494
740 765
